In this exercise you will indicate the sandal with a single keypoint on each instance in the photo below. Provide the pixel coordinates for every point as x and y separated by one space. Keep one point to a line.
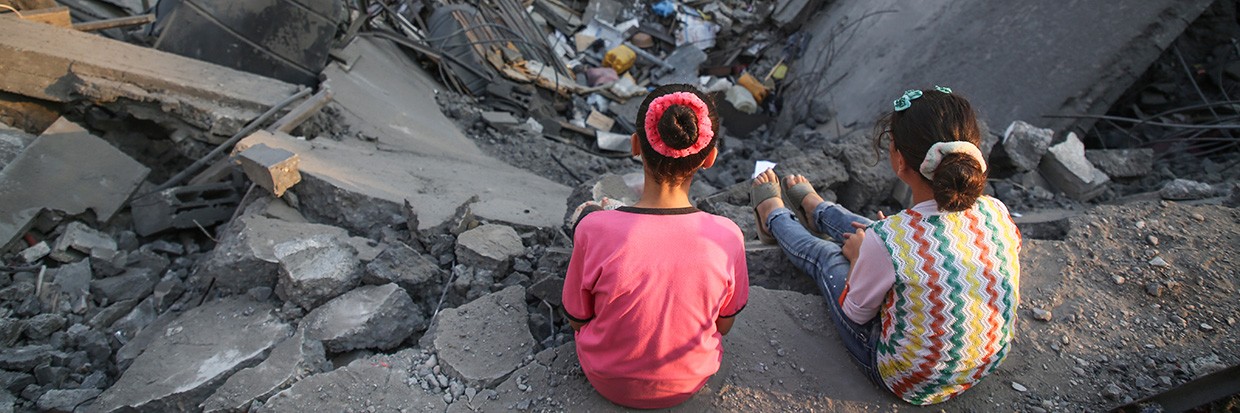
757 194
792 200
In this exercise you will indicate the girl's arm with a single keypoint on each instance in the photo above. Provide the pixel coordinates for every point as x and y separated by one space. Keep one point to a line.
870 276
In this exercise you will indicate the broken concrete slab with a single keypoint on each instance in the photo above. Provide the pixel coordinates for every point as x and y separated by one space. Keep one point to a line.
1025 144
82 239
1185 189
194 356
100 177
295 358
377 383
1067 169
65 401
25 359
73 280
59 65
245 255
1083 57
483 341
273 169
369 317
406 267
12 143
134 284
870 178
1122 163
489 247
315 270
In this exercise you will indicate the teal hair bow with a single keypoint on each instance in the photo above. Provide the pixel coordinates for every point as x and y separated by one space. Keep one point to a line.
906 101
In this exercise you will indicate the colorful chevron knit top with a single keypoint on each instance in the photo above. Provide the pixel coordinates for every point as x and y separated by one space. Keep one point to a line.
948 319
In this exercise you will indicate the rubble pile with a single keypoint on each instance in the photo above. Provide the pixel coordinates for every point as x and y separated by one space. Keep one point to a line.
379 223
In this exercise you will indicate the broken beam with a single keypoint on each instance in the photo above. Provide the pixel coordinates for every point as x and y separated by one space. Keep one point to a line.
114 23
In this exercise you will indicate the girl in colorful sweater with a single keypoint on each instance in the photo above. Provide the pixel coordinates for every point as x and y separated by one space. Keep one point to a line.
652 288
925 300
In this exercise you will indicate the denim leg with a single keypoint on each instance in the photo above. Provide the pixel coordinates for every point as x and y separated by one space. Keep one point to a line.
834 220
824 262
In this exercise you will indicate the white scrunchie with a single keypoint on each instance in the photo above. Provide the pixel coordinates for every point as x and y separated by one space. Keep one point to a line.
937 151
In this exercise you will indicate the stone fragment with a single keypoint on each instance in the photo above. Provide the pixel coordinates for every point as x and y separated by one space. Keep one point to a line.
485 340
141 316
271 168
405 266
870 179
315 270
549 289
6 402
1066 167
65 401
1184 190
111 313
167 292
489 247
134 284
14 381
10 331
74 281
1154 289
1159 262
43 325
28 357
1019 387
1122 163
1025 144
195 355
292 360
378 317
380 382
1040 314
245 256
136 344
35 252
81 239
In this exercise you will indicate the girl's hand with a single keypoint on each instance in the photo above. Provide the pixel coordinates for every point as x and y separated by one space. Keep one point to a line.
852 243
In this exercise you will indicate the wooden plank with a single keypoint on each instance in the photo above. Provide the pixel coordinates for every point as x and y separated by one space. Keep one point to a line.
114 23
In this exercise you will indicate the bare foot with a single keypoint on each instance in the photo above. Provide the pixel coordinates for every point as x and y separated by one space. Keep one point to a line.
770 204
811 200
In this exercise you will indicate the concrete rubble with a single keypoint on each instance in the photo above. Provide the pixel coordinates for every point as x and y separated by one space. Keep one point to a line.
316 269
293 359
369 317
1067 168
489 247
482 342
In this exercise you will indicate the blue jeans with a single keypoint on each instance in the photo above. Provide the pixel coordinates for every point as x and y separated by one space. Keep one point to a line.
824 261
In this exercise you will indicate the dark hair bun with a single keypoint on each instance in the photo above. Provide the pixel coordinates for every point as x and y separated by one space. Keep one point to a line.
678 127
958 182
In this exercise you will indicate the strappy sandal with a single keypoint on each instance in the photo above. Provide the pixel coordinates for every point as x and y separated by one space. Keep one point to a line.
757 194
792 200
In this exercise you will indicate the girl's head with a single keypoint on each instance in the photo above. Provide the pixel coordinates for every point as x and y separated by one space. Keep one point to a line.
676 125
937 135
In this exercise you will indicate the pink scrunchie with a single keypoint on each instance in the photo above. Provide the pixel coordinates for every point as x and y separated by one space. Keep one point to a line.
654 113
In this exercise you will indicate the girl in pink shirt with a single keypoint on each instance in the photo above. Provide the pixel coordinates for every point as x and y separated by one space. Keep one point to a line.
652 288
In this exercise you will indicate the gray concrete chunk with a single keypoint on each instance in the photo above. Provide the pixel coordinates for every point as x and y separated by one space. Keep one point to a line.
1122 163
134 284
65 401
1025 144
271 168
1184 189
81 239
405 266
489 247
378 383
245 257
194 356
292 360
26 358
74 281
1067 169
315 270
100 177
378 317
485 340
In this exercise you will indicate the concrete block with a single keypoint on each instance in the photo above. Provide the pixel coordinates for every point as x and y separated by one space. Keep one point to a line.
499 119
100 177
294 359
1122 163
408 268
1067 169
79 238
134 284
483 341
273 169
184 207
73 280
13 381
35 252
489 247
381 382
10 331
65 401
315 270
195 355
369 317
245 256
43 325
1025 144
1184 189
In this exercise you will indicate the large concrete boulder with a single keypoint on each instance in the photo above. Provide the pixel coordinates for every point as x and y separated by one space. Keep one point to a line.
245 256
379 383
294 359
1025 144
870 178
194 356
485 340
489 247
405 266
315 270
372 316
